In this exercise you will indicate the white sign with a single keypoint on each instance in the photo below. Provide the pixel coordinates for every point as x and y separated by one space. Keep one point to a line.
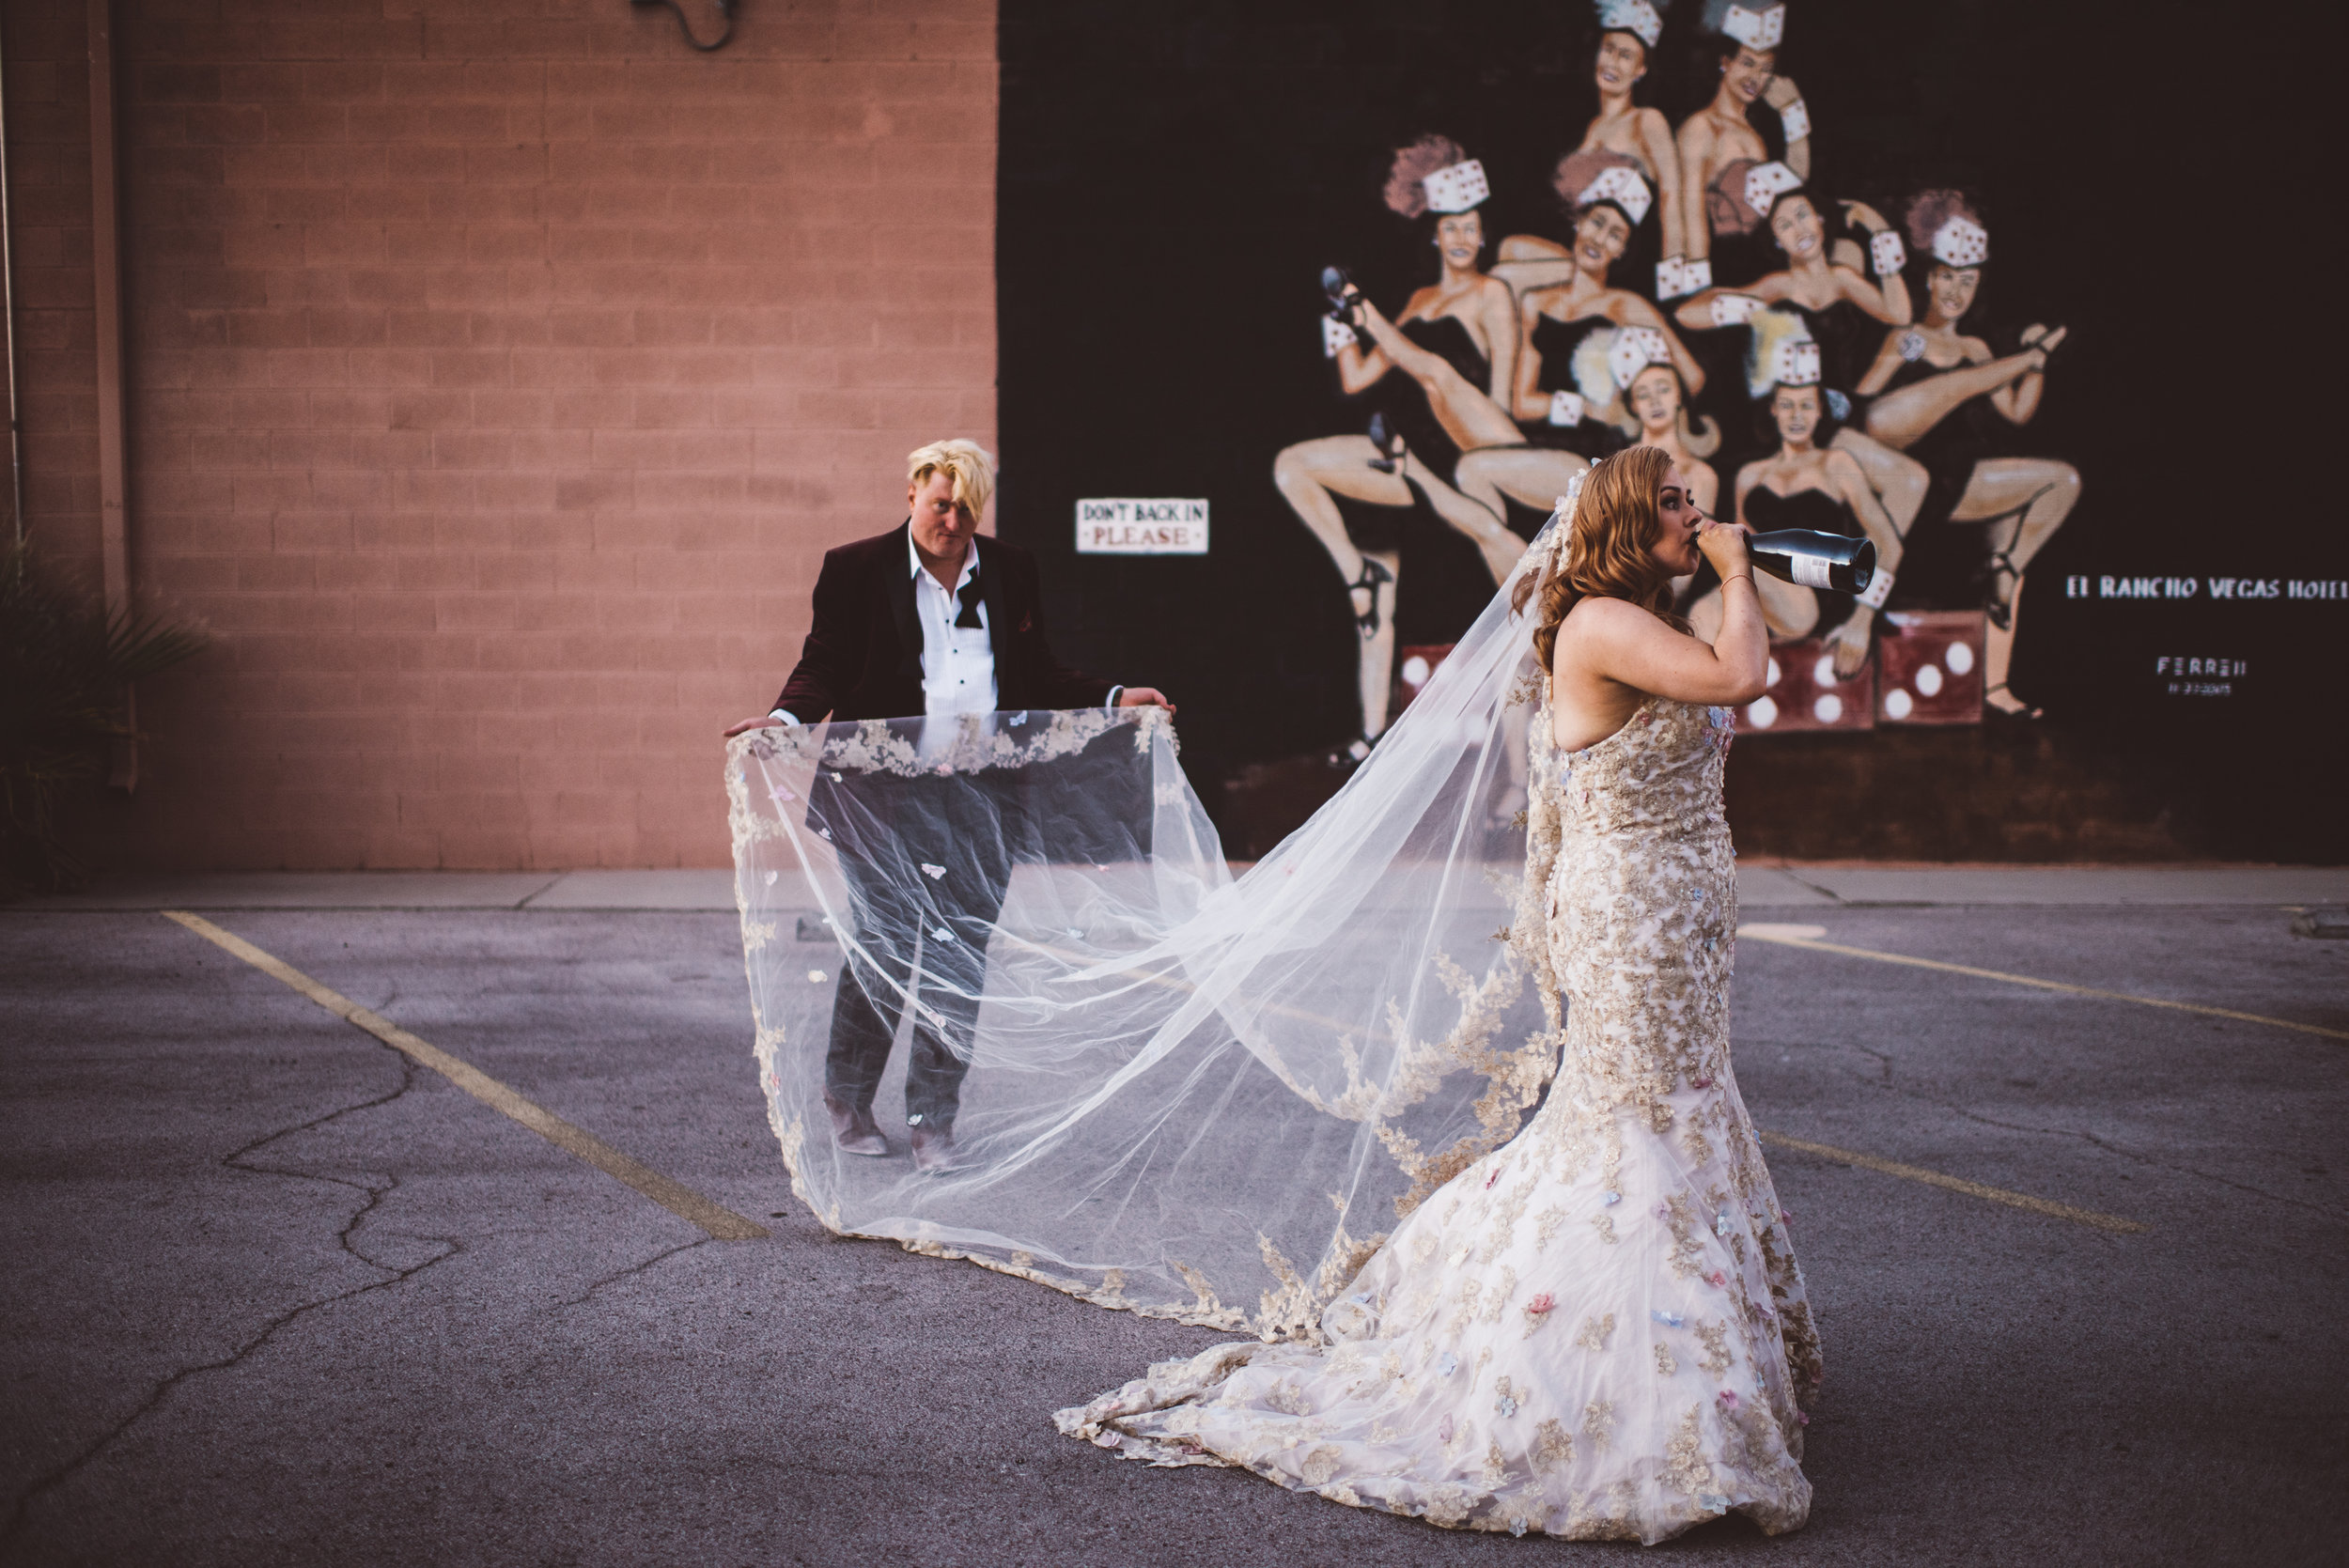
1127 525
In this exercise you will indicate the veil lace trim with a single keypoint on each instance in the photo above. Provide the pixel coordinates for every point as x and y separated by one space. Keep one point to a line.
1187 1092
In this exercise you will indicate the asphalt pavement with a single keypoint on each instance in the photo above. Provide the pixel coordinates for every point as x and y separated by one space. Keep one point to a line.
278 1294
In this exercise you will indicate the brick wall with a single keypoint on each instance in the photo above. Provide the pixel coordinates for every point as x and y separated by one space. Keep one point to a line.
49 198
499 371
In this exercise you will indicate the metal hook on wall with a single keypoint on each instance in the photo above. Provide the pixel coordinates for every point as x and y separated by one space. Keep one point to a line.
725 10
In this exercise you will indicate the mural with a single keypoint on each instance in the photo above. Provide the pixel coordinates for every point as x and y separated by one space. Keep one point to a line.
1377 281
1502 381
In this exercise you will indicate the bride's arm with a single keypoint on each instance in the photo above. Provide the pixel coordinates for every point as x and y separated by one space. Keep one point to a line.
1616 641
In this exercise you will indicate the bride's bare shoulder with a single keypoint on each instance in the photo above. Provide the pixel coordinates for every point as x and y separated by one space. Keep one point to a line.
1602 637
1609 618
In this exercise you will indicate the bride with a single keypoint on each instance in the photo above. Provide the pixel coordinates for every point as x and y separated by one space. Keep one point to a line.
1598 1329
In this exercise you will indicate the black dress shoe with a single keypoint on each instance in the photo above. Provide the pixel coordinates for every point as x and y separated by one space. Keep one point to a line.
934 1148
854 1131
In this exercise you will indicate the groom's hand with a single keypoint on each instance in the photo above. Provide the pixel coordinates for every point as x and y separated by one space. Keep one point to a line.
1144 696
761 723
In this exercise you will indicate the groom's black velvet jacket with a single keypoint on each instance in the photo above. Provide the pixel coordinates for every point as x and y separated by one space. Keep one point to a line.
863 658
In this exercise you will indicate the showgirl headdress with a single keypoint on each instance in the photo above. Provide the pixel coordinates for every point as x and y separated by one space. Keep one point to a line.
1634 349
1759 29
1945 226
1435 174
1766 182
1781 353
1623 187
1457 188
1584 179
1797 362
1959 243
1636 16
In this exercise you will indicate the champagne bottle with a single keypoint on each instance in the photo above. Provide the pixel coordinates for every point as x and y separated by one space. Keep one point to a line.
1830 561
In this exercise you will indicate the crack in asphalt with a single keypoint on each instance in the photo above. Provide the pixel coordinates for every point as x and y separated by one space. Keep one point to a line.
2111 1148
614 1278
1885 1061
239 1160
2149 1160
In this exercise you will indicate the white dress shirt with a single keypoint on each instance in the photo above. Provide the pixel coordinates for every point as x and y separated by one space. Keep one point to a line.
958 661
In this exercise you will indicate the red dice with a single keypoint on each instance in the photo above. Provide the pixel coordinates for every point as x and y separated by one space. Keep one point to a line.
1804 693
1929 667
1414 667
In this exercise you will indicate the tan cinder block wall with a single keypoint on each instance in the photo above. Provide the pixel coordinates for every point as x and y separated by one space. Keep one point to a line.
56 331
500 370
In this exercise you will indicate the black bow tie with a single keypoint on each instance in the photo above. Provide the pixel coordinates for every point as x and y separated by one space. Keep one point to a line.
969 596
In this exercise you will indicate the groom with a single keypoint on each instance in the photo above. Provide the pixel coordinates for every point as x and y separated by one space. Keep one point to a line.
929 619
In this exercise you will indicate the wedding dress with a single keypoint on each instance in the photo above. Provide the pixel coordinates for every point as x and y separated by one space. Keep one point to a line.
1598 1330
1293 1103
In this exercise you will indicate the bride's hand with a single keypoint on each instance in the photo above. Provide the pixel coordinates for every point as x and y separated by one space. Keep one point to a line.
1724 545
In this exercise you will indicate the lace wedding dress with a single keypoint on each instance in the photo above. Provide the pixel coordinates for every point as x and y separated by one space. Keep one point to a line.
1597 1330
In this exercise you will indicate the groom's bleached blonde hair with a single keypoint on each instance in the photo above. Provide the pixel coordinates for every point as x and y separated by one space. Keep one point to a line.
965 462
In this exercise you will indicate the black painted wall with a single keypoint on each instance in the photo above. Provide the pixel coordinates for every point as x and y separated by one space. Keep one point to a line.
1174 175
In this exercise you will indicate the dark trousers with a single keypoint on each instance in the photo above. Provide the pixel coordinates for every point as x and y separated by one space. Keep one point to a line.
887 830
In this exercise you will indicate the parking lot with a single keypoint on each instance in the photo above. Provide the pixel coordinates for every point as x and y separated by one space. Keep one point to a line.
280 1292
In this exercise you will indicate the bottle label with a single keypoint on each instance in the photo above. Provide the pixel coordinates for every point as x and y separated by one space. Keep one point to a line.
1812 572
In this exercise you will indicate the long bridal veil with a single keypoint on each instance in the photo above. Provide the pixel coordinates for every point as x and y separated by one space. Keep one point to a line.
1189 1094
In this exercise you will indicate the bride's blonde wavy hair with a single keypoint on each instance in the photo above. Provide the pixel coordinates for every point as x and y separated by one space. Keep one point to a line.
1607 548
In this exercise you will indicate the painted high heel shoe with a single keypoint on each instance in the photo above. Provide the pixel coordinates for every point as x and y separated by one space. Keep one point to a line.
1374 573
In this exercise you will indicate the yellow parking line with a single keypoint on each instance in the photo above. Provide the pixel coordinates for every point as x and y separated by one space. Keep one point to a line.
682 1201
1957 1184
1766 934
